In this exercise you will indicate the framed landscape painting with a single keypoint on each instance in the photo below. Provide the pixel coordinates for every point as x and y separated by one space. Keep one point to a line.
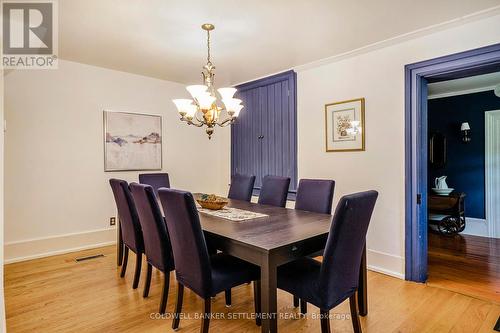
345 125
132 141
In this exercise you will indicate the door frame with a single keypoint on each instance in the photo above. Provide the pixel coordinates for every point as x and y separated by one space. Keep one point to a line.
492 132
417 75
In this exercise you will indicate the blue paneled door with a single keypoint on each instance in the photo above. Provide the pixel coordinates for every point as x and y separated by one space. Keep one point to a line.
264 138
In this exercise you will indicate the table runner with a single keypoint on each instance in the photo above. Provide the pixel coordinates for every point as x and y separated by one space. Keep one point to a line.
233 214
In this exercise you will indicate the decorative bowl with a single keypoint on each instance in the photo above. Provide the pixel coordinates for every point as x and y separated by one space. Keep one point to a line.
443 191
211 201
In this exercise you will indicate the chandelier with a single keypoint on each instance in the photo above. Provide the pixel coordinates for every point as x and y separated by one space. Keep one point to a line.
204 109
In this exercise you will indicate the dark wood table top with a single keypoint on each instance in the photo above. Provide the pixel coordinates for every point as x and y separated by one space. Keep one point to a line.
281 228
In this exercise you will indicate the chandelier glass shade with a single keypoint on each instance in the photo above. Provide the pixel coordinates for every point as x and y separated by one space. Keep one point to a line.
206 106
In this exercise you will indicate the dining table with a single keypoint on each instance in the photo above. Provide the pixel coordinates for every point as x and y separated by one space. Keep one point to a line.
278 236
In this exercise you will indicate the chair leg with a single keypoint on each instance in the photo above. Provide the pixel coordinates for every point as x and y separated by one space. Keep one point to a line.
178 307
164 295
303 307
325 321
205 320
125 260
147 283
228 297
354 314
138 267
295 302
257 303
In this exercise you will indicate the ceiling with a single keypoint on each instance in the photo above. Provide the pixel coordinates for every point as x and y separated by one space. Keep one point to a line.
464 85
163 39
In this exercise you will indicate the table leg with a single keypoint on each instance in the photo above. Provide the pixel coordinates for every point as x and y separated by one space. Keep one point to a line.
119 245
269 296
363 288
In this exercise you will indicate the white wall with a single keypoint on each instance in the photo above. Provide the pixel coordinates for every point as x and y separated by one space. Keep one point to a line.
57 195
379 77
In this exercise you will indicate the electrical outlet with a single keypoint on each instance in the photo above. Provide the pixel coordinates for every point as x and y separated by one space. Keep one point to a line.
112 221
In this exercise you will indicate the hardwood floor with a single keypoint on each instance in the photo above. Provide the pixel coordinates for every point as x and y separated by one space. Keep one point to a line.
466 264
56 294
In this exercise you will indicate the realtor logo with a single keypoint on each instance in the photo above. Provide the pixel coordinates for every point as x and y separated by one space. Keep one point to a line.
29 34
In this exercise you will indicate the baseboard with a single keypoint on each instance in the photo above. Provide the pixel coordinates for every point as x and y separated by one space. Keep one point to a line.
385 263
476 227
377 261
50 246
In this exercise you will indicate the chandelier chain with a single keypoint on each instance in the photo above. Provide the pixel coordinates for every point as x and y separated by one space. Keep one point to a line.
208 48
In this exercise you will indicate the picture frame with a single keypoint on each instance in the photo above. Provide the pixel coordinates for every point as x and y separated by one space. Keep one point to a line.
339 118
132 141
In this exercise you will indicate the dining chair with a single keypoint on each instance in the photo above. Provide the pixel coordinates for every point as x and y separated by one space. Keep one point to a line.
129 226
274 191
241 187
156 180
328 283
157 247
313 195
205 274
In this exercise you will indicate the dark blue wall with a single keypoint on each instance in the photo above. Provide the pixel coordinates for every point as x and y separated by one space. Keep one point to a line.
465 162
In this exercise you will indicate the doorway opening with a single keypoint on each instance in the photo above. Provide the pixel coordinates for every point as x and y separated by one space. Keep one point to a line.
463 122
418 76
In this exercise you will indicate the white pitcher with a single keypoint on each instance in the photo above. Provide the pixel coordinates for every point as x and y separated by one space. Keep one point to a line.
440 182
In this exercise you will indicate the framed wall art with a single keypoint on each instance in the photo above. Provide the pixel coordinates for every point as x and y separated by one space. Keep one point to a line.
132 141
345 125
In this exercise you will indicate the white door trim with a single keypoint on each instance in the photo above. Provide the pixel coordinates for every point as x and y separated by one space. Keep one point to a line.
492 171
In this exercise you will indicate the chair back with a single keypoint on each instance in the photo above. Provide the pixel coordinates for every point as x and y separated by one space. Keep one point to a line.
274 191
129 220
156 240
156 180
241 187
339 275
315 195
192 262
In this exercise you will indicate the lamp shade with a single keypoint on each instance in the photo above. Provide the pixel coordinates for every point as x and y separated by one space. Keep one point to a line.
182 105
465 127
191 111
227 93
205 101
231 104
197 90
237 110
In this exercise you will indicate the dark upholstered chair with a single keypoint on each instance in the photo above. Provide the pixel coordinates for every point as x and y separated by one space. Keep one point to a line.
313 195
130 227
204 274
156 180
329 283
156 241
274 191
241 187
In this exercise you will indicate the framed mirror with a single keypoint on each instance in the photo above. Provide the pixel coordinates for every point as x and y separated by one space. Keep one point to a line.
437 150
